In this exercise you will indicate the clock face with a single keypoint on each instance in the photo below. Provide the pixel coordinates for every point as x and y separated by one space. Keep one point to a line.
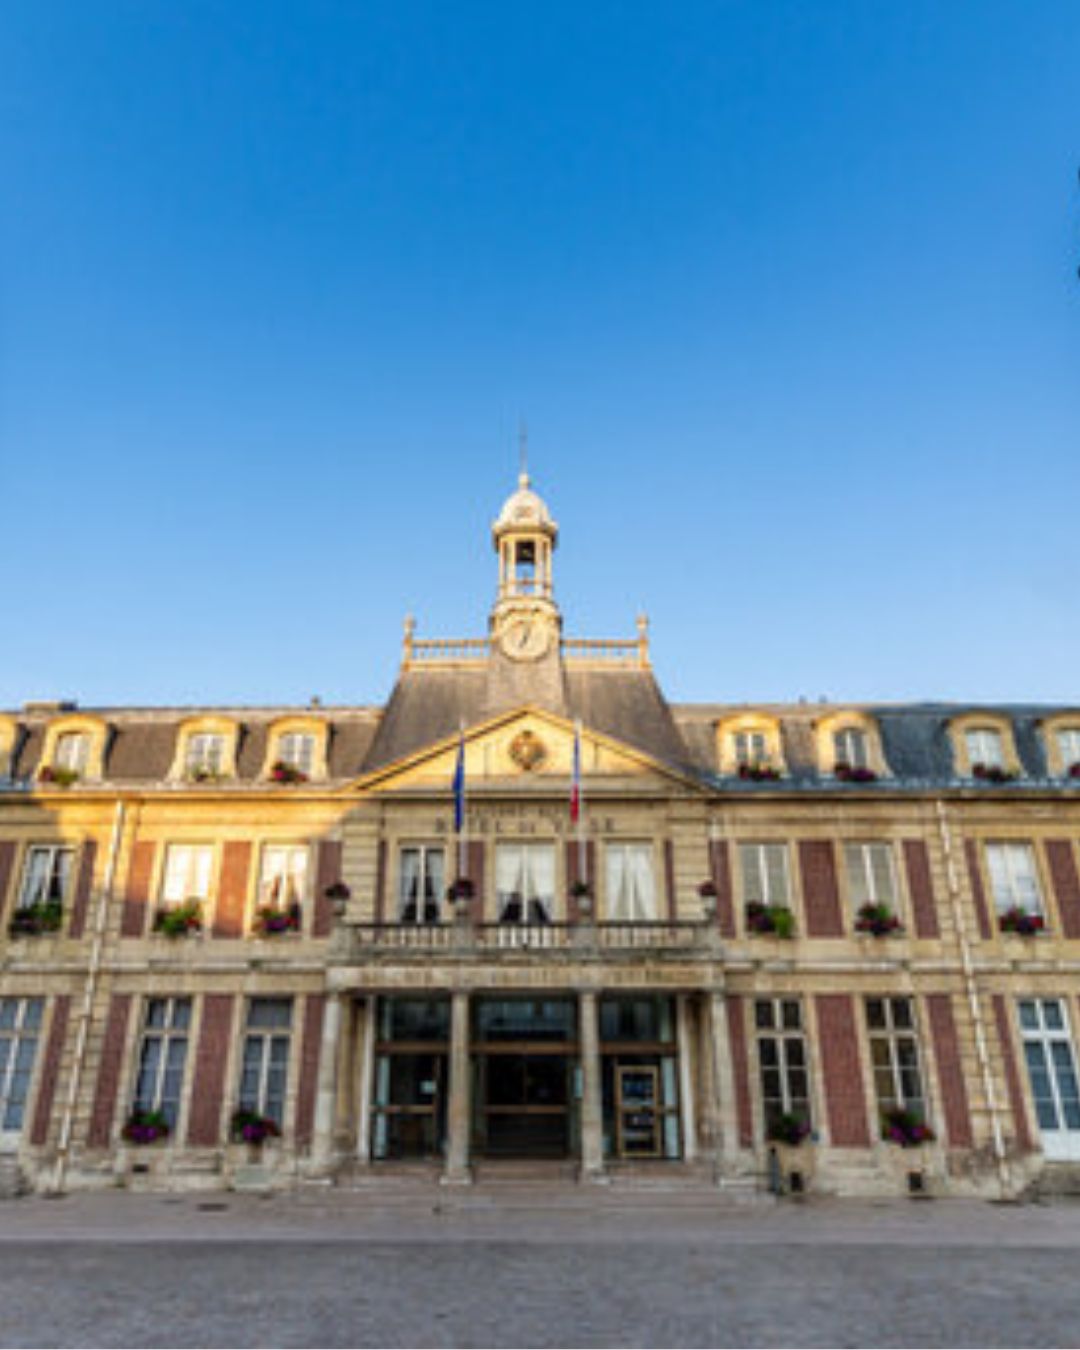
525 639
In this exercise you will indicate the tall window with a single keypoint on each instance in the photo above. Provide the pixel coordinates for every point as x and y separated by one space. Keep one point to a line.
205 753
297 750
20 1026
870 874
525 882
1014 878
421 877
159 1084
72 751
1051 1066
765 879
894 1053
283 875
751 747
265 1068
850 746
187 873
984 746
631 882
785 1082
46 874
1068 739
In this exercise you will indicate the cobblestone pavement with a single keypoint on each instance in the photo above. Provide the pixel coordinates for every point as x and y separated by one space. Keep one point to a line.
559 1266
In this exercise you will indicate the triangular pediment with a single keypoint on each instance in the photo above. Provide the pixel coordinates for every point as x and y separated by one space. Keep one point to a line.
529 746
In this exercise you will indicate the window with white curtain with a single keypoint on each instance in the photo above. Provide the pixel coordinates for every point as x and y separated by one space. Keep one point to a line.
870 874
72 751
46 873
1014 877
1068 739
265 1064
420 884
984 746
187 873
525 882
283 875
205 753
764 870
851 748
631 882
751 747
297 750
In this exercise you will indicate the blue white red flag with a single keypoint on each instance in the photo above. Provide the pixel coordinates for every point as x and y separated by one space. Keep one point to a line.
575 777
459 785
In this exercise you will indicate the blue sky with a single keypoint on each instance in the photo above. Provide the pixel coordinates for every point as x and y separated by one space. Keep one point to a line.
787 294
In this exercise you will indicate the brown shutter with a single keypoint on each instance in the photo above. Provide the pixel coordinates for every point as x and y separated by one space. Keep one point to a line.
842 1071
314 1006
669 881
7 863
232 889
474 863
978 891
740 1069
110 1068
327 873
573 876
821 894
207 1088
720 869
81 903
1059 856
380 884
137 894
1013 1085
50 1069
950 1070
921 888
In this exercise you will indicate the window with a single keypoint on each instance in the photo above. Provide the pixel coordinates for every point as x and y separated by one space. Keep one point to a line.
72 751
870 874
297 750
782 1061
283 875
46 874
421 876
1014 879
894 1053
162 1054
265 1067
751 747
631 882
764 870
850 747
205 754
187 873
985 747
1068 742
1051 1066
20 1026
525 882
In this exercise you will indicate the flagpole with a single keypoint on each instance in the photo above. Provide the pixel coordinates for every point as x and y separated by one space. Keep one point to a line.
581 850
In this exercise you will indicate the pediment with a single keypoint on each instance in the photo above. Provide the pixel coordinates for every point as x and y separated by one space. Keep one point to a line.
528 746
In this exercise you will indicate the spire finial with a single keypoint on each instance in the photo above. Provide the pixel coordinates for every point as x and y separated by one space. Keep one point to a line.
523 455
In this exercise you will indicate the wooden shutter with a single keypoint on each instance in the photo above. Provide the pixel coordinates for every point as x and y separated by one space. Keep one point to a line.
740 1068
314 1008
110 1067
921 889
50 1069
137 894
232 890
327 872
720 868
821 895
978 891
1062 864
950 1070
81 903
841 1069
208 1085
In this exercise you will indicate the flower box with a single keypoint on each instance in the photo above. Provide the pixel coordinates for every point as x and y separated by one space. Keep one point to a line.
283 772
848 773
145 1127
45 916
759 773
272 920
461 888
1021 921
772 920
58 776
180 920
788 1129
905 1128
202 775
1074 770
878 921
248 1127
992 773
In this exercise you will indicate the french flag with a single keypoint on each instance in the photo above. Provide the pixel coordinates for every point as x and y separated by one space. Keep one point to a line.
575 777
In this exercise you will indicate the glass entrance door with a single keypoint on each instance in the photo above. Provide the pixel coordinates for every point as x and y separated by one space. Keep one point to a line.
1051 1065
524 1053
637 1115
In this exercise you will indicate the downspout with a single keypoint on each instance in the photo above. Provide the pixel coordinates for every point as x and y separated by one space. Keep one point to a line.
971 988
86 1011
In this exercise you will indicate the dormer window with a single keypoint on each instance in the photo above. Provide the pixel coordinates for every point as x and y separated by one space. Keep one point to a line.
751 748
72 752
205 755
986 753
1068 746
851 748
296 752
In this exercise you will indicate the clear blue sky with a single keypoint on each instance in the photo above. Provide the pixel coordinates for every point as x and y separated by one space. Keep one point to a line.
786 292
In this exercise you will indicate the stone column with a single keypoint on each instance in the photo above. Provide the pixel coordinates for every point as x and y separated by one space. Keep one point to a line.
459 1105
727 1129
687 1103
365 1077
592 1105
327 1083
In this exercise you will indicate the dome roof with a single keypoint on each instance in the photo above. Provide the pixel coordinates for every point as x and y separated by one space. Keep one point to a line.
524 510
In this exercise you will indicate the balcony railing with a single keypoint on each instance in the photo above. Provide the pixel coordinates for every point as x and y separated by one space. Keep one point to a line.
492 938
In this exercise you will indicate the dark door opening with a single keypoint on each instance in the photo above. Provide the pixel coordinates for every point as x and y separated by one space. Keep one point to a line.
524 1105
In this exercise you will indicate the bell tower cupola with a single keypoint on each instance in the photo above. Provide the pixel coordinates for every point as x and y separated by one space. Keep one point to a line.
525 620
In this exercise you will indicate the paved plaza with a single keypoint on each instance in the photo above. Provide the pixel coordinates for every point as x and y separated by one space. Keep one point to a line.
540 1266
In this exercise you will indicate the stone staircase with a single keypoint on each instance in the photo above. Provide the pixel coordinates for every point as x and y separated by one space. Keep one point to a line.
1056 1181
12 1181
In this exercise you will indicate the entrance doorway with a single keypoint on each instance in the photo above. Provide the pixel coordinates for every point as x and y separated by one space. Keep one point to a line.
1051 1066
411 1078
524 1055
637 1115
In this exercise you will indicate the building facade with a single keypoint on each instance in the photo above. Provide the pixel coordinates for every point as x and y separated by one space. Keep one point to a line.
530 909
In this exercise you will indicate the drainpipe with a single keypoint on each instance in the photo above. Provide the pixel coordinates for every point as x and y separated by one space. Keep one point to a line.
971 987
86 1011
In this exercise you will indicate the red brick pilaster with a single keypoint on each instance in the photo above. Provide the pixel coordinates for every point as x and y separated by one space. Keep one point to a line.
1013 1084
1062 864
978 890
50 1069
327 873
821 893
841 1069
921 889
208 1085
81 903
720 875
474 865
137 893
232 890
572 876
740 1068
314 1007
110 1069
950 1070
7 866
